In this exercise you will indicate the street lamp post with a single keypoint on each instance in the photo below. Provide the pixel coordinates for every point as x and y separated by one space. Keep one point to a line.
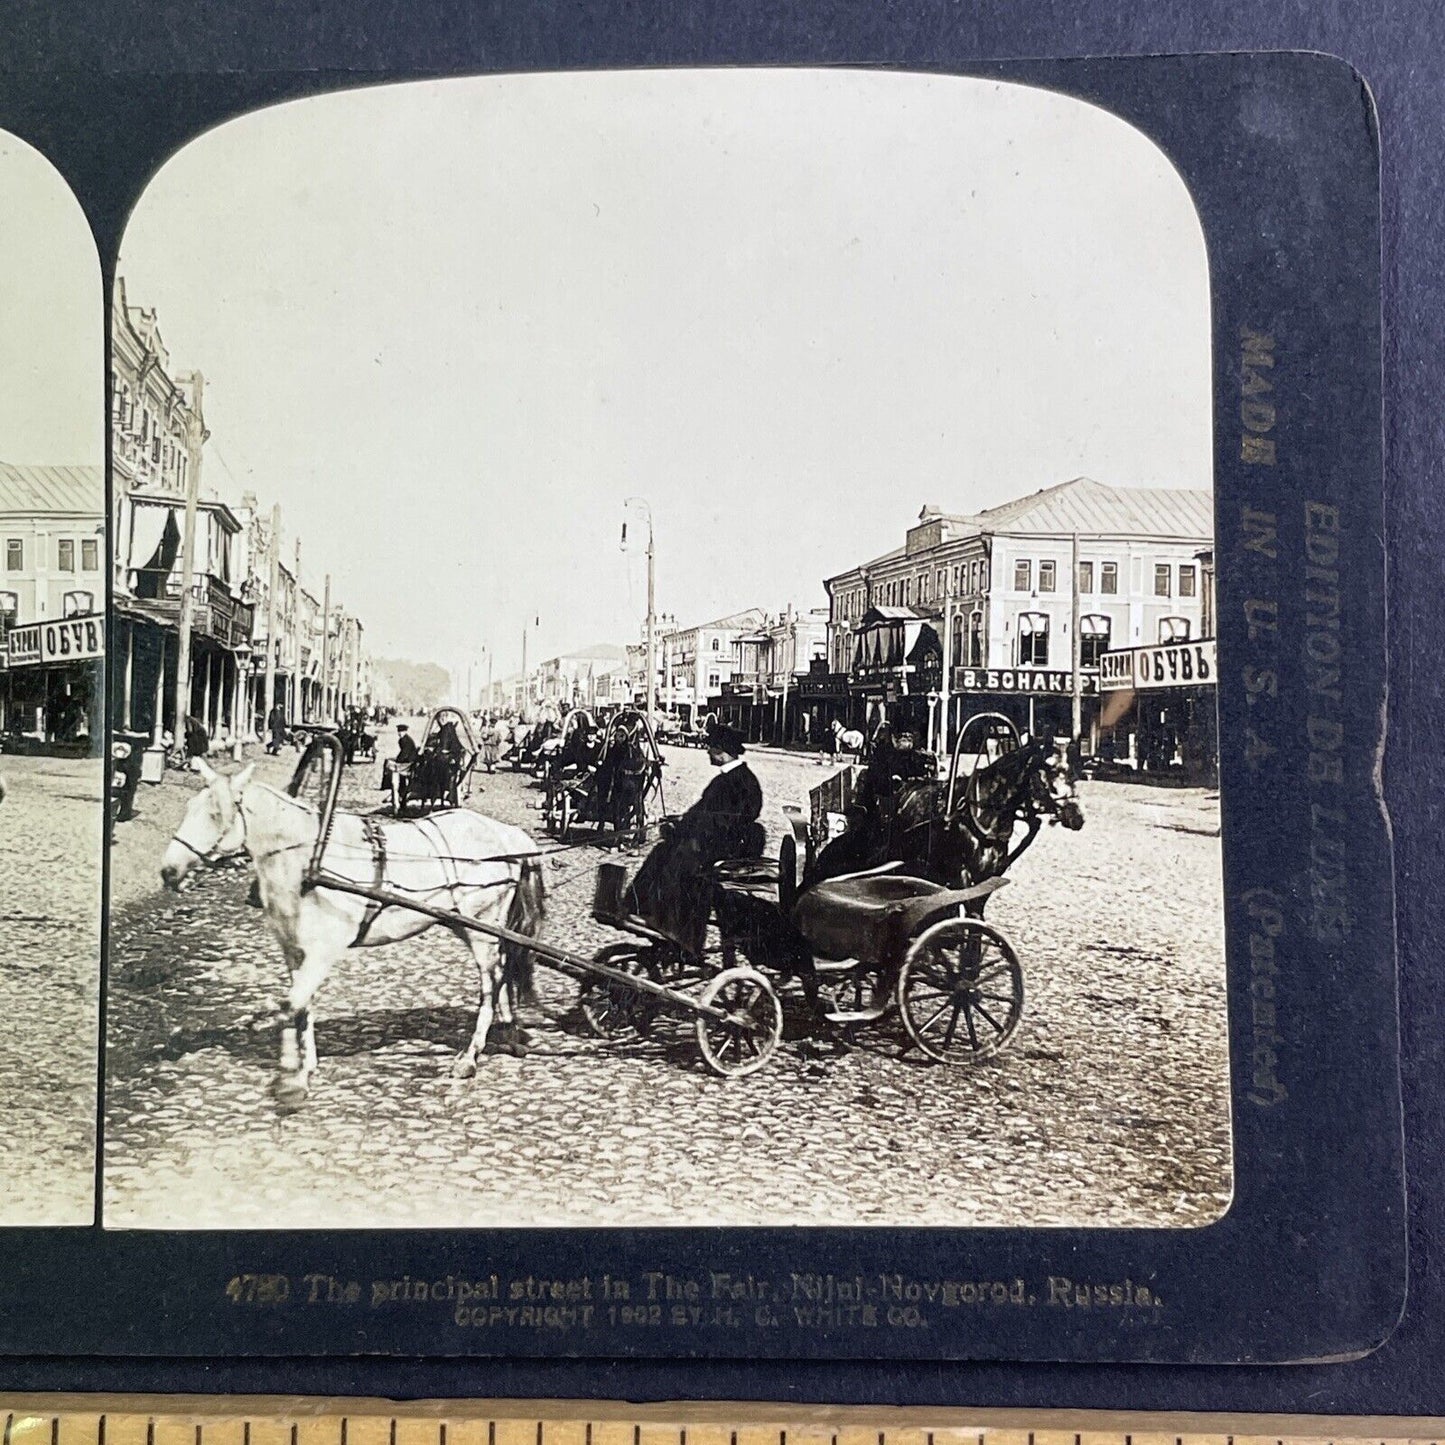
651 612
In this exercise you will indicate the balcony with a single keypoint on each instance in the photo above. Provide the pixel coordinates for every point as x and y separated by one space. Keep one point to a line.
214 612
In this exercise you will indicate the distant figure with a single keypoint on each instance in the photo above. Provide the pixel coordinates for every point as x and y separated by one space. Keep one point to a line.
276 728
494 739
198 740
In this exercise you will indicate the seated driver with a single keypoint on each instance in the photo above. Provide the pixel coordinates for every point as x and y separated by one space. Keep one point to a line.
395 771
673 888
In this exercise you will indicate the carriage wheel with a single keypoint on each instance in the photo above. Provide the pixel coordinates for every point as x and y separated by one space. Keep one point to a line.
612 1009
746 1040
961 991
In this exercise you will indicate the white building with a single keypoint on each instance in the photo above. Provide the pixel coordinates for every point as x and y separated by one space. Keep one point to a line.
991 593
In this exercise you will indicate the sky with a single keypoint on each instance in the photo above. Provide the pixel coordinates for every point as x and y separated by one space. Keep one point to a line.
453 326
52 361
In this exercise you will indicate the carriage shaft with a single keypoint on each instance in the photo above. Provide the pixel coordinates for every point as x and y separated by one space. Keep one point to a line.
549 954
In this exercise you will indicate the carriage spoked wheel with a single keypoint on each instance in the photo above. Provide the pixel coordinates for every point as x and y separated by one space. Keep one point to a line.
612 1009
961 991
747 1038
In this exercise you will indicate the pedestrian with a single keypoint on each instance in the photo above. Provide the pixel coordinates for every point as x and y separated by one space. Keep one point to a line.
276 727
198 741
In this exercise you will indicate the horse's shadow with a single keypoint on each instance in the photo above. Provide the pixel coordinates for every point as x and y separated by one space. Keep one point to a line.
257 1041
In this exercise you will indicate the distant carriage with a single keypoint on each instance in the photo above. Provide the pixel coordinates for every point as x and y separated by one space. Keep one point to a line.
604 777
444 763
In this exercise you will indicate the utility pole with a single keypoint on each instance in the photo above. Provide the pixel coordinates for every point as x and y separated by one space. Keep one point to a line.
271 588
197 431
526 685
651 631
294 711
491 701
1078 657
326 716
651 681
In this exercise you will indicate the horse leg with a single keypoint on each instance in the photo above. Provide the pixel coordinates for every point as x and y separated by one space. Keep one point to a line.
494 1003
298 1029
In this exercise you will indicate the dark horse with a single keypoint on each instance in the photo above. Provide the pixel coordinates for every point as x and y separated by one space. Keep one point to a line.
960 833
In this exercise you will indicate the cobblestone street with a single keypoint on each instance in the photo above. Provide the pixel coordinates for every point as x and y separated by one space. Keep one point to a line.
1110 1107
50 851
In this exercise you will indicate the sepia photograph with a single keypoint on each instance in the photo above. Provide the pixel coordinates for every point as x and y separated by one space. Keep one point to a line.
662 668
52 707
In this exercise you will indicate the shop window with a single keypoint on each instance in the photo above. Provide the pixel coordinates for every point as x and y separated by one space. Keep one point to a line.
14 555
9 608
75 604
1163 584
90 555
1093 639
1023 575
1047 571
1086 577
65 555
1108 578
1188 581
1173 629
1033 639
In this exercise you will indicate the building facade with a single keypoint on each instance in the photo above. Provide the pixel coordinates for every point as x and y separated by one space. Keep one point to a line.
52 607
158 432
976 612
764 698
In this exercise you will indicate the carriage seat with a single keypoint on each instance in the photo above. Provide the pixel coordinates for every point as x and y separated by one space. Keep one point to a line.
870 916
755 878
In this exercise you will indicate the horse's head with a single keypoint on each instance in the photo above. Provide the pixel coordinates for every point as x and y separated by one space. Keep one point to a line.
212 828
1052 793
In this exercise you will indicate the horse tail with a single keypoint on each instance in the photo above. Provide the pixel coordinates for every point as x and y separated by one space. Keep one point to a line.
524 916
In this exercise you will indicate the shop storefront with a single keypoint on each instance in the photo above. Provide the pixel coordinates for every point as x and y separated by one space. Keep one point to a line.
1160 712
53 686
1038 700
823 699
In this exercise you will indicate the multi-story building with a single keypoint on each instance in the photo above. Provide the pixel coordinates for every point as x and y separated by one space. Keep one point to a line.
52 605
569 680
692 664
763 699
1162 703
158 431
975 612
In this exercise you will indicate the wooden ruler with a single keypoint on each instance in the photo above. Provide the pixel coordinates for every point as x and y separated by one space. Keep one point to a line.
198 1420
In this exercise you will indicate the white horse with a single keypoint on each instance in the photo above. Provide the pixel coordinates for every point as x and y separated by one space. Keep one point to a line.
457 860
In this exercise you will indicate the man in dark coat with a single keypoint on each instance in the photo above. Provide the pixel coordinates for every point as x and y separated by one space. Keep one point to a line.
397 770
276 724
673 888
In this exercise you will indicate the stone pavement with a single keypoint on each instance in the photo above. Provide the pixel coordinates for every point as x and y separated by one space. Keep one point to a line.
1110 1106
50 861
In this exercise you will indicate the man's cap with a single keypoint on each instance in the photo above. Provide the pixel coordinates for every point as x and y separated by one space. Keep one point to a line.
401 727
